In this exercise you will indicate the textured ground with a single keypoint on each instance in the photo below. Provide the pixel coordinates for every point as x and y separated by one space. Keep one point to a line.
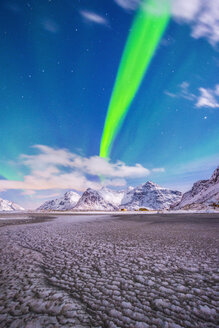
130 271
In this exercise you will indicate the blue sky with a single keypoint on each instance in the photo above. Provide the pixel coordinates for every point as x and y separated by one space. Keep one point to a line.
59 61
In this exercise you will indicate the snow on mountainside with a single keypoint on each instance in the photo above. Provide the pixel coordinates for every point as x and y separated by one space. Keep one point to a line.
114 197
6 205
93 200
151 196
67 202
202 194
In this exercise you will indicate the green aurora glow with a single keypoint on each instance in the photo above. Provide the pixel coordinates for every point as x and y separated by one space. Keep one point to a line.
147 29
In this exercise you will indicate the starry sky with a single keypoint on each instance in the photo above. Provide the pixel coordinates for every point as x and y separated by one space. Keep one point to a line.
59 61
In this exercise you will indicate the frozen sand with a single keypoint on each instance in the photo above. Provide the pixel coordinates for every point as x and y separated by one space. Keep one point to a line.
102 271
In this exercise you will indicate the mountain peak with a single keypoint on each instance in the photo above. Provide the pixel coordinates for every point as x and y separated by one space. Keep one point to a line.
70 193
150 184
215 175
93 200
66 202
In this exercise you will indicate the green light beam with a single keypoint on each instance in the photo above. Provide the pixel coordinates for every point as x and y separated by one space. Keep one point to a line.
147 29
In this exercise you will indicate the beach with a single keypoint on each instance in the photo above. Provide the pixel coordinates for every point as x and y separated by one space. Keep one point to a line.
140 271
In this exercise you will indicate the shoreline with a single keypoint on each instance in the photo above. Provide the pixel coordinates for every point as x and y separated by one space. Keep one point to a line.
153 212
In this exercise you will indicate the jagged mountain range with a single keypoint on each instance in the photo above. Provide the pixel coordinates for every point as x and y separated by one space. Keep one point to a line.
148 195
204 193
7 205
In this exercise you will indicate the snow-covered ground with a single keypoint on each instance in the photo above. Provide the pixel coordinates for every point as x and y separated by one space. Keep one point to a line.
106 271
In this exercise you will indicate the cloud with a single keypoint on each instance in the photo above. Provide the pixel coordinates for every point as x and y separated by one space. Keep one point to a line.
185 9
50 25
158 170
42 196
114 182
208 98
28 192
93 17
217 89
201 15
170 94
49 161
52 168
183 92
62 181
128 4
12 6
96 165
206 23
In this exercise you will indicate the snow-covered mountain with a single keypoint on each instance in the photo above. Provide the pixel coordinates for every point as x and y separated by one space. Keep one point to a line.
203 194
148 195
92 200
67 202
7 205
151 196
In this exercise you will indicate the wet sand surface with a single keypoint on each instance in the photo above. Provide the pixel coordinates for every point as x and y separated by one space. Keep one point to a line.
133 271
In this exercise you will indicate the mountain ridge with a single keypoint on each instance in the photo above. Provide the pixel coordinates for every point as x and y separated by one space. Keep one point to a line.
203 194
148 195
7 205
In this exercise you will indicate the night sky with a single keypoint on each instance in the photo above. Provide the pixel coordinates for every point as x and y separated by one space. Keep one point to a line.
59 60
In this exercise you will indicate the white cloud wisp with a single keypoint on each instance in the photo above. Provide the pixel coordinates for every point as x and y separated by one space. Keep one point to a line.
93 17
207 97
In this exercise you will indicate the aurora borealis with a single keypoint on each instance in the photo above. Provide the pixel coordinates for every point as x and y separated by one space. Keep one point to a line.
63 62
146 32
